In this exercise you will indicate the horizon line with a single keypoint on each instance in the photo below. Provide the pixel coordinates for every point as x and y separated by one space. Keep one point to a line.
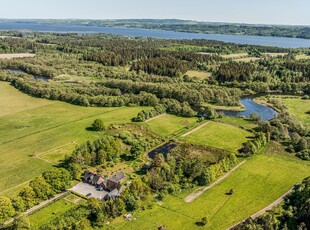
191 20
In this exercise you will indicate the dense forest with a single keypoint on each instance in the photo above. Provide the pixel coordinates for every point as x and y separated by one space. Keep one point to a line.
118 71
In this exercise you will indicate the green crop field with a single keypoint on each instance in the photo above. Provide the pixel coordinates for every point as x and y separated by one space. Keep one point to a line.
257 183
49 213
167 125
32 126
219 135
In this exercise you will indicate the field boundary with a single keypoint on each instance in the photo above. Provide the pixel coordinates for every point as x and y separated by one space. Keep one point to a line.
266 209
60 125
195 129
191 197
39 206
51 150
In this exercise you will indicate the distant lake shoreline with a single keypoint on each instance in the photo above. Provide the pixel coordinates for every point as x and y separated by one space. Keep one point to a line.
283 42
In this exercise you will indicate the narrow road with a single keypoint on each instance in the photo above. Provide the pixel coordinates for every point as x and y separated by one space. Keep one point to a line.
37 207
195 129
153 118
200 191
269 207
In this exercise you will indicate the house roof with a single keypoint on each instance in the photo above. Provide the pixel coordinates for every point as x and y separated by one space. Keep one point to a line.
117 177
114 193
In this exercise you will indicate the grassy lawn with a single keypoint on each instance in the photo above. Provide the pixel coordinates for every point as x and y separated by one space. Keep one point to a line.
219 135
257 183
43 126
199 74
46 214
169 124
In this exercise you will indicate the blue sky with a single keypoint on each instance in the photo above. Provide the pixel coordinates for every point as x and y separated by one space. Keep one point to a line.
247 11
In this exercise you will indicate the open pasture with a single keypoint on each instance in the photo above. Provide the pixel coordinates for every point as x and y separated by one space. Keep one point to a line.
43 127
257 183
167 124
219 135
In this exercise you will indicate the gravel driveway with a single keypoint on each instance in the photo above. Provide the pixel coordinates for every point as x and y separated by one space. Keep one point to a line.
84 189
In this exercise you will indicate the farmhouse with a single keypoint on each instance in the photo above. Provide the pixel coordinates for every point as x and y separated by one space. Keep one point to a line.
112 184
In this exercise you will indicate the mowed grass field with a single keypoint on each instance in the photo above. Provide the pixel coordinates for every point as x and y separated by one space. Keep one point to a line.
257 183
219 135
167 125
31 126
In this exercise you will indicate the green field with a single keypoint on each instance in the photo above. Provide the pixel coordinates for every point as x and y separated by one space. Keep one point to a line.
219 135
199 74
257 183
237 121
167 125
298 107
49 213
31 126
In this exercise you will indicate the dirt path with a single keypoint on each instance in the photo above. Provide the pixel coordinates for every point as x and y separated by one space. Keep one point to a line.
200 191
153 118
269 207
35 208
195 129
20 55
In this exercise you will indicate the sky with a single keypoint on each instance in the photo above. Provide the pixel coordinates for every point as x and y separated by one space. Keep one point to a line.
293 12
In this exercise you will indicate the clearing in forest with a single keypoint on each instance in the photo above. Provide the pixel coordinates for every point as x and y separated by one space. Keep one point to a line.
20 55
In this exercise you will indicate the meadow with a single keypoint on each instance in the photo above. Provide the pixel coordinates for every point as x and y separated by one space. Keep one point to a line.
257 183
168 125
219 135
299 108
198 74
50 212
31 127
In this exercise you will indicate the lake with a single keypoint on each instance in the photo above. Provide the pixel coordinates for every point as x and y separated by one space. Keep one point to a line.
134 32
266 112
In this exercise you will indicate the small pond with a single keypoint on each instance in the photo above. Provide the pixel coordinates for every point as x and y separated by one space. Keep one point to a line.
37 78
266 112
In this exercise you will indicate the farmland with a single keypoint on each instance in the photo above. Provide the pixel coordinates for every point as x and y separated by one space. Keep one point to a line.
168 124
219 135
255 187
50 212
31 126
141 115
